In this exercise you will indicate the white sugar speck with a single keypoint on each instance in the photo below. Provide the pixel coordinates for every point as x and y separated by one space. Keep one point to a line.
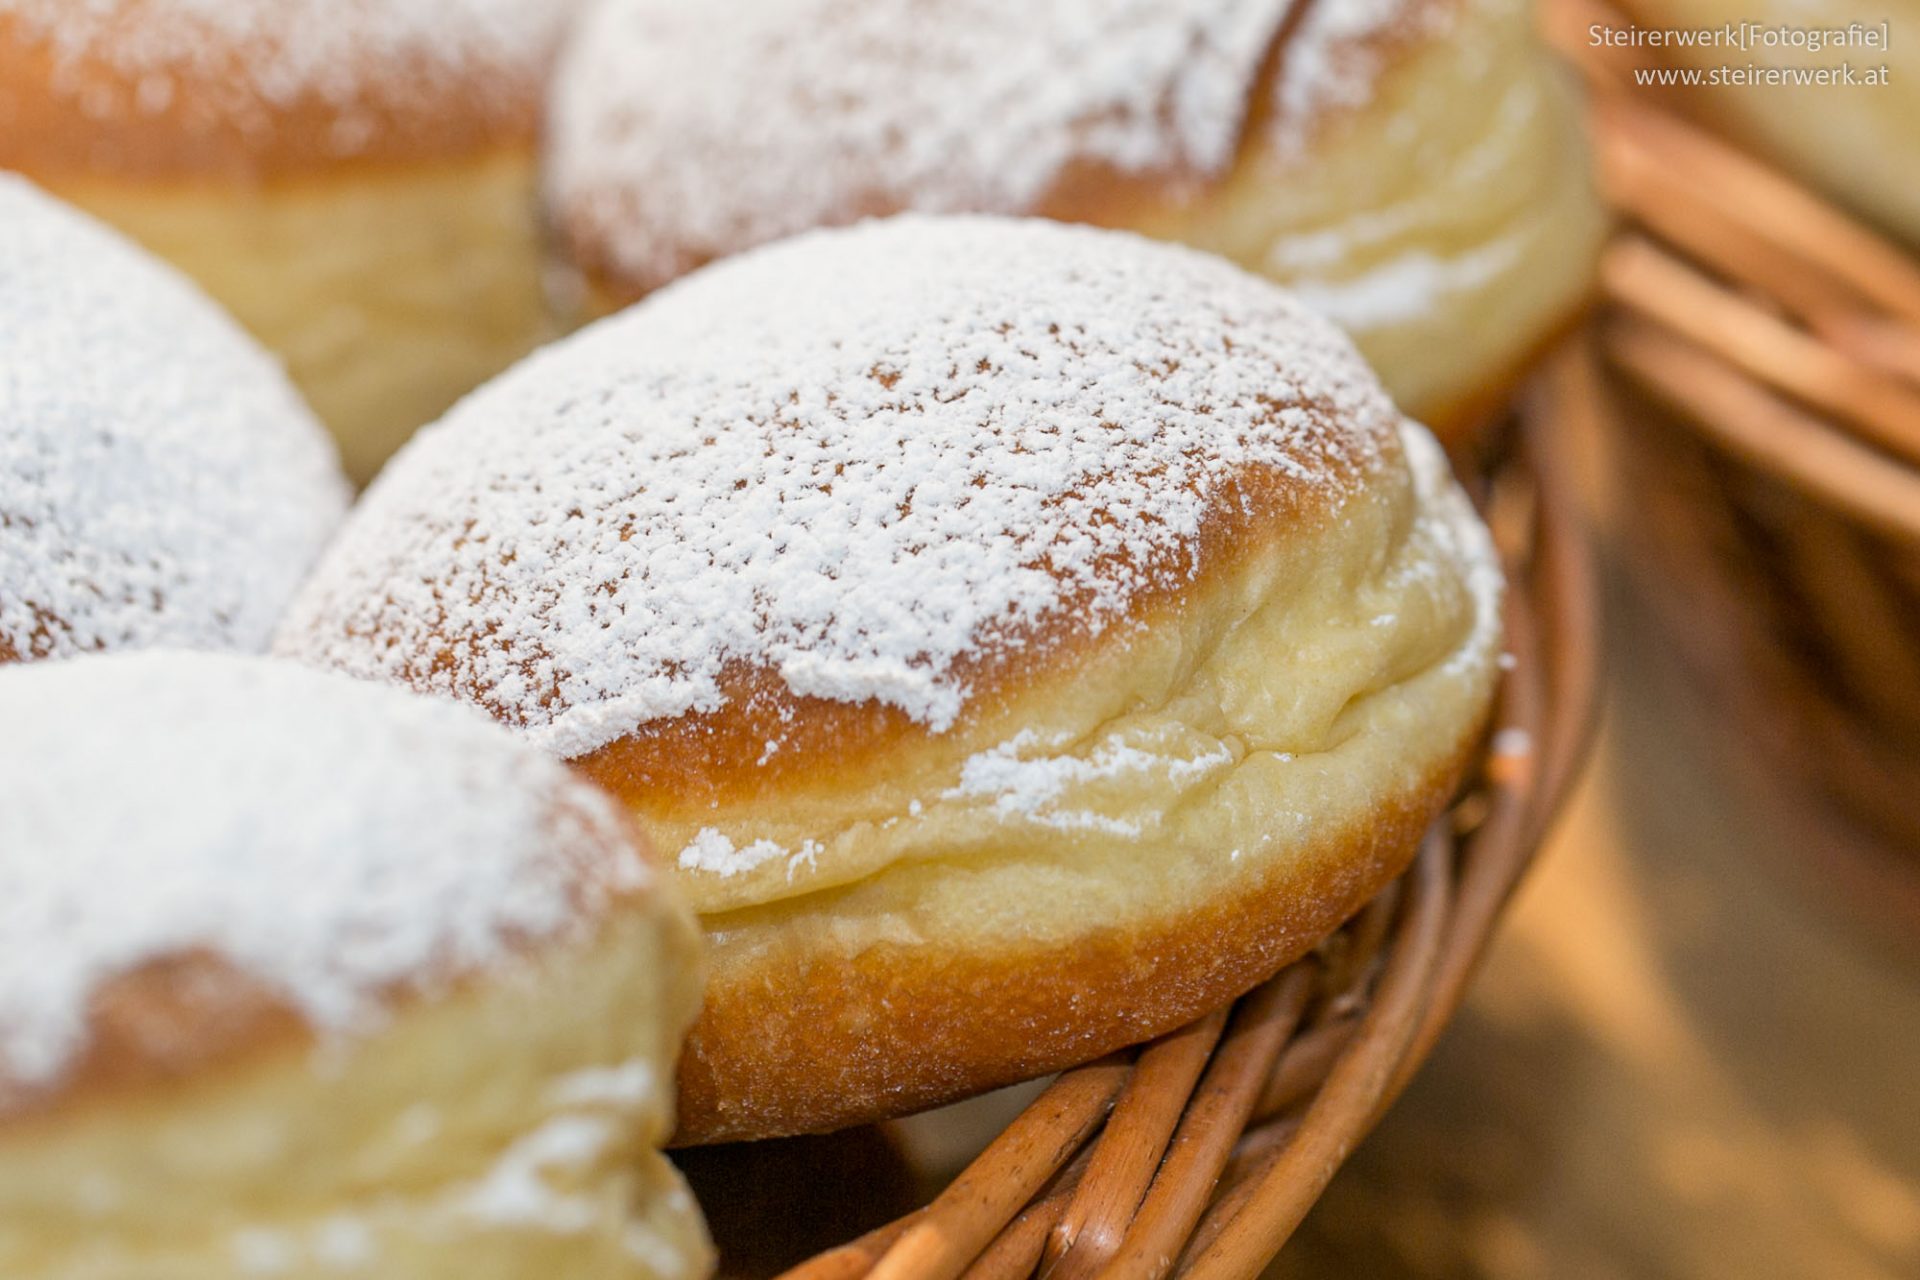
1514 742
710 850
1023 782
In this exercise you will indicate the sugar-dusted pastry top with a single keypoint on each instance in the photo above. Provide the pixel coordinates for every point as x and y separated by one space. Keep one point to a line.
168 85
683 132
889 467
160 480
192 843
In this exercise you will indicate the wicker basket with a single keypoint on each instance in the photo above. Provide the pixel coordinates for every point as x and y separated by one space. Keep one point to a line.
1756 372
1200 1152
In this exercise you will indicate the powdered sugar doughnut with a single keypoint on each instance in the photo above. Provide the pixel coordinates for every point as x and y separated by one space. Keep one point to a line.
160 482
352 178
302 976
1021 637
192 86
1413 166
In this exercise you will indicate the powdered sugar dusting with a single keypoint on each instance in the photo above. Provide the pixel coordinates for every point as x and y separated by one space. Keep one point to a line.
1334 59
160 481
1025 781
685 131
713 851
850 460
682 132
241 53
331 839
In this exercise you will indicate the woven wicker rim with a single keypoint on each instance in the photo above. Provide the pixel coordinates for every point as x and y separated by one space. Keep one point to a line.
1199 1153
1785 331
1756 371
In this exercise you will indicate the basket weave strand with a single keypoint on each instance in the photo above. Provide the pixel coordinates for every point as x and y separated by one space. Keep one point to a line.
1198 1155
1756 372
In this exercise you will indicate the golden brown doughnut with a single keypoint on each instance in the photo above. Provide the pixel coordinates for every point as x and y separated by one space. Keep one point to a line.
1413 168
303 977
352 178
160 482
1021 637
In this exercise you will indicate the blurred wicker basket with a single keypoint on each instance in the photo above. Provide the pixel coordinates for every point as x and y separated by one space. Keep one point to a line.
1199 1153
1757 366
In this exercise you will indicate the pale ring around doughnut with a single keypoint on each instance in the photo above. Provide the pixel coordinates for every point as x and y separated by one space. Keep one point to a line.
1023 638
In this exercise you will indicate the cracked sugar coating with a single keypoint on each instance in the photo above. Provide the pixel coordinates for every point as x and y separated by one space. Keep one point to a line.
161 483
868 464
330 839
684 132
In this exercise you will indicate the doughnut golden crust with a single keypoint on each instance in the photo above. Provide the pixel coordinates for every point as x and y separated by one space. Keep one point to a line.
1413 168
160 481
352 178
1020 637
1859 141
303 977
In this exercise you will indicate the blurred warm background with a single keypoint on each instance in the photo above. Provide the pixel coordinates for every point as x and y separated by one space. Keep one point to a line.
1682 1059
1690 1054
